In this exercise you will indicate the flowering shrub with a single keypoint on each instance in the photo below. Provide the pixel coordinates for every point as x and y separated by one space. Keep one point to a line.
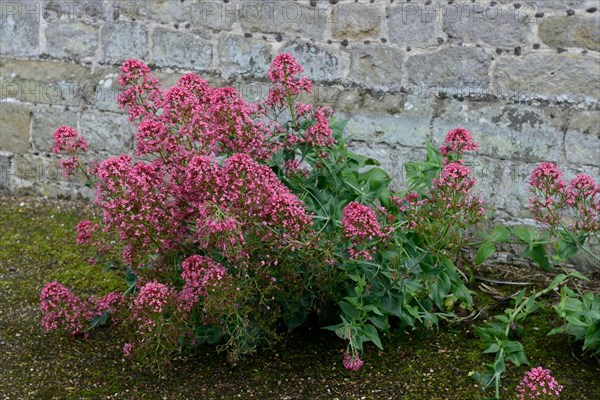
538 383
238 219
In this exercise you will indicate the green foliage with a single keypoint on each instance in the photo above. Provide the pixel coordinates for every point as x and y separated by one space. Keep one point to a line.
420 175
581 313
403 280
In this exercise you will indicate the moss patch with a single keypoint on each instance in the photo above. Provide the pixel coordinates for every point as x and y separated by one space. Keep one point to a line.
37 245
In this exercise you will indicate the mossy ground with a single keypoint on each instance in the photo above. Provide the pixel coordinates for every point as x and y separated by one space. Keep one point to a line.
37 245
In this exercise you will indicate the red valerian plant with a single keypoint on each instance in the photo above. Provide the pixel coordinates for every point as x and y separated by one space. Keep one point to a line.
240 218
207 216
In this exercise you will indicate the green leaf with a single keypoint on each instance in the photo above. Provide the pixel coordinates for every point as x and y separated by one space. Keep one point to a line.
381 323
99 320
433 155
208 334
494 348
375 178
578 275
131 281
484 251
592 338
349 310
539 255
499 366
371 333
527 235
501 234
558 279
567 248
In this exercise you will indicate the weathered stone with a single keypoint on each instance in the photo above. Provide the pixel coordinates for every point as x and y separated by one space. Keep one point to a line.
239 55
584 121
504 131
219 16
408 128
71 40
46 120
107 89
19 27
45 82
564 31
169 11
14 127
129 10
178 49
36 168
582 148
91 12
488 172
378 67
413 24
582 141
107 132
124 40
42 175
285 17
450 70
474 23
511 191
356 100
357 21
321 63
558 77
5 170
531 8
45 71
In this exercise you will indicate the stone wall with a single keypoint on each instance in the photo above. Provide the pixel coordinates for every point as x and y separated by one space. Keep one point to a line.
524 77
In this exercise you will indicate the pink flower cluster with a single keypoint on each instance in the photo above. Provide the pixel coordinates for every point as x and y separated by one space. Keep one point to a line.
147 310
538 383
142 90
85 230
451 194
109 303
547 177
361 226
553 199
64 310
319 134
286 87
457 141
192 118
199 272
283 74
360 222
583 197
68 140
450 206
235 204
352 361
